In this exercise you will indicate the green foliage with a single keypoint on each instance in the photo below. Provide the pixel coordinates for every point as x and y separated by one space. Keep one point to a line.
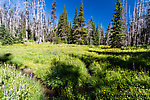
117 36
63 27
97 36
100 72
5 37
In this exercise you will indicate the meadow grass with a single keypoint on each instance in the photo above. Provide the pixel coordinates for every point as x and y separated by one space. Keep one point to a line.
86 72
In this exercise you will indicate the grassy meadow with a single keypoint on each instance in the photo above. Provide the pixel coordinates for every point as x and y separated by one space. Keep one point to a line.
79 72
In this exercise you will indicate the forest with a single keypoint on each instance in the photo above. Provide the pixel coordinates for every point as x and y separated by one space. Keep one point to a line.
48 57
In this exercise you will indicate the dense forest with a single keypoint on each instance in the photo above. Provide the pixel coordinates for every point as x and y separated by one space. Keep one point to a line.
30 23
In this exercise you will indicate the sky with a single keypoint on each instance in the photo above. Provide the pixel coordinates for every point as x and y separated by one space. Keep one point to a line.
101 10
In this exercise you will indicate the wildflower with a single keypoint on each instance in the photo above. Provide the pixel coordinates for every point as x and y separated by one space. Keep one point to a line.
14 88
52 79
20 87
9 92
13 95
47 79
25 85
134 66
145 70
6 92
5 85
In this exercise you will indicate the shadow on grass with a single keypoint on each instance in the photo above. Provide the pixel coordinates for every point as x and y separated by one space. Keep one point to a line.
137 61
5 57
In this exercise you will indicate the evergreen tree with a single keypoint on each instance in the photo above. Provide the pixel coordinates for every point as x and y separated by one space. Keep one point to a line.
102 39
97 36
63 27
66 28
75 28
93 32
70 35
5 37
117 36
81 23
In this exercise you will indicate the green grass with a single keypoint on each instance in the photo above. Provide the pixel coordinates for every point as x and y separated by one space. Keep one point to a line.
72 70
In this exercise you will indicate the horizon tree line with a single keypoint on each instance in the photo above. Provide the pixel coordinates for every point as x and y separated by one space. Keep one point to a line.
31 23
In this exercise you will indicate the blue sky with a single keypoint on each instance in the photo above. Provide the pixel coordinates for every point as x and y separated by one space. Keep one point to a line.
101 10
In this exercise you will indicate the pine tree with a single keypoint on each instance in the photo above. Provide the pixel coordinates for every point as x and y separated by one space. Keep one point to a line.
117 36
66 28
97 36
63 27
75 28
93 32
102 41
81 23
70 35
5 37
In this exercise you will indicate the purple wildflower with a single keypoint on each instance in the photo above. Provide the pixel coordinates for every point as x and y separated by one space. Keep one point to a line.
134 66
6 92
5 85
14 88
20 87
25 85
52 79
9 92
145 70
13 95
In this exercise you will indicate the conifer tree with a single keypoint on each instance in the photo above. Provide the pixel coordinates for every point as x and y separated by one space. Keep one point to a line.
102 41
75 28
97 36
81 23
93 32
117 36
63 27
5 37
70 35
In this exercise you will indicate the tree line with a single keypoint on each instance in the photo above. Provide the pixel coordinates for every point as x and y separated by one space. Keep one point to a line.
31 23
